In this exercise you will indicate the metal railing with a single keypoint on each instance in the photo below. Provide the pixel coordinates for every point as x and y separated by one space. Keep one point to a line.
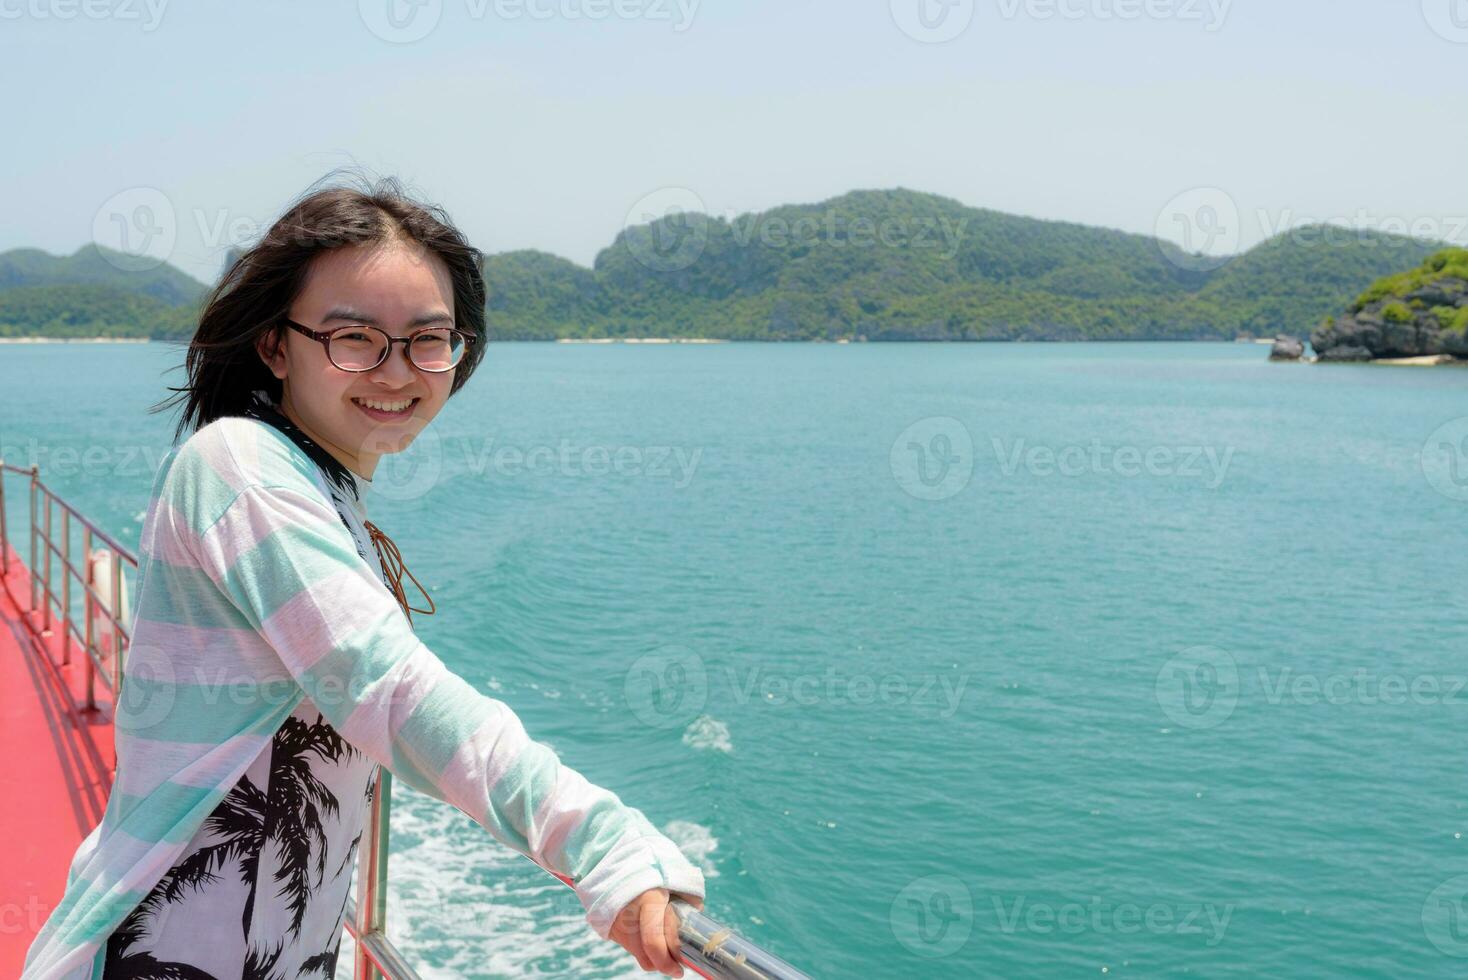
709 948
109 606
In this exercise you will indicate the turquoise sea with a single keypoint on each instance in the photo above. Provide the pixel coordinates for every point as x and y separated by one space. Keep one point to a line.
1008 660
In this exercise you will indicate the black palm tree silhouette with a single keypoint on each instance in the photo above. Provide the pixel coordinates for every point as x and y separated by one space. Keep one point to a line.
260 965
245 821
297 802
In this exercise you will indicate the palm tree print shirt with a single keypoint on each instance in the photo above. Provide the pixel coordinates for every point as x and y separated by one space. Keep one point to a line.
270 670
288 832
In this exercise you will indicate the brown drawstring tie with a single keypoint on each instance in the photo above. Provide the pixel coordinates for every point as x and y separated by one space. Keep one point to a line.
393 567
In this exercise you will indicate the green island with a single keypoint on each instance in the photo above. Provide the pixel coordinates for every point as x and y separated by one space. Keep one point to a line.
866 266
1419 313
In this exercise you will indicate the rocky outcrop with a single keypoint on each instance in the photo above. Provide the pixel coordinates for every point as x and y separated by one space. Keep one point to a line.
1345 353
1426 320
1286 349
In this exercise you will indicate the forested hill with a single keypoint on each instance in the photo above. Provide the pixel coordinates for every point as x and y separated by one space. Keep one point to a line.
93 293
880 265
900 265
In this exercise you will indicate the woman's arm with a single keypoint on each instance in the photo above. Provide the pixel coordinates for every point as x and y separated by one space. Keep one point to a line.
283 557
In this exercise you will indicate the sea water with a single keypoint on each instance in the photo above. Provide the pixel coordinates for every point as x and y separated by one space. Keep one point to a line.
940 660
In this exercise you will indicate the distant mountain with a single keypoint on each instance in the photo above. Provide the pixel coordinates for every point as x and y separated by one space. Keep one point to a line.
901 265
93 265
90 311
879 265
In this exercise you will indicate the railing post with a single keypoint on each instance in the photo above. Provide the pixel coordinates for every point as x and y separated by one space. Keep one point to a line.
48 591
89 613
4 536
116 620
65 587
35 530
372 876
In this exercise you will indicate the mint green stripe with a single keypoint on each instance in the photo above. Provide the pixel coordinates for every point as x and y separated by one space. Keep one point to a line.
404 768
197 490
519 793
164 709
158 816
101 919
446 718
592 838
183 596
288 561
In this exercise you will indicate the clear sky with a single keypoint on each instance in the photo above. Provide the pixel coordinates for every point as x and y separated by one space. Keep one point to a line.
542 123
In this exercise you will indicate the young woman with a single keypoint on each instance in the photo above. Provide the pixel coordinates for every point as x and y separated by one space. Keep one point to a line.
273 665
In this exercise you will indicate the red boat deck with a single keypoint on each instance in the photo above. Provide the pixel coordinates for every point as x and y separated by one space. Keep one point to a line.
56 764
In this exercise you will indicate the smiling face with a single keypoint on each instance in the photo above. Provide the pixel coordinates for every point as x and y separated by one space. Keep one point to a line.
395 286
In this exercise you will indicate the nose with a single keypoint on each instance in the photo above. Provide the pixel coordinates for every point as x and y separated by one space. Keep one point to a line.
397 369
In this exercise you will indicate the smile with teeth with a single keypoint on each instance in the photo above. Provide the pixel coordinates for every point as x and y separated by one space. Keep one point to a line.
396 406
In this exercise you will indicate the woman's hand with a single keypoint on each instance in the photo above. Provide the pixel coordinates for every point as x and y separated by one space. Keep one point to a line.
648 928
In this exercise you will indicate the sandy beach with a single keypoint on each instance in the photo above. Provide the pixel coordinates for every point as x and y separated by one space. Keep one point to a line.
75 340
639 340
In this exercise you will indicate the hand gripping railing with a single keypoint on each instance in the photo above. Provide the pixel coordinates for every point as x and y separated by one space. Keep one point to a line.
709 948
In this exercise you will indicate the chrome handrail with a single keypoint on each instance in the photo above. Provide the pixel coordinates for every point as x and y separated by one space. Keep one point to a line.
709 948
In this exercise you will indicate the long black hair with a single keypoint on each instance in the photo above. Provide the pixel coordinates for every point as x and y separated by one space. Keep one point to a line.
256 292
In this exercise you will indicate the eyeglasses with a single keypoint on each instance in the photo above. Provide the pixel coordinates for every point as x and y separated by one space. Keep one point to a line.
358 347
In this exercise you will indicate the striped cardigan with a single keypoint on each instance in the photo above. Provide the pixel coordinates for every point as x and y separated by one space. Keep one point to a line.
251 596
